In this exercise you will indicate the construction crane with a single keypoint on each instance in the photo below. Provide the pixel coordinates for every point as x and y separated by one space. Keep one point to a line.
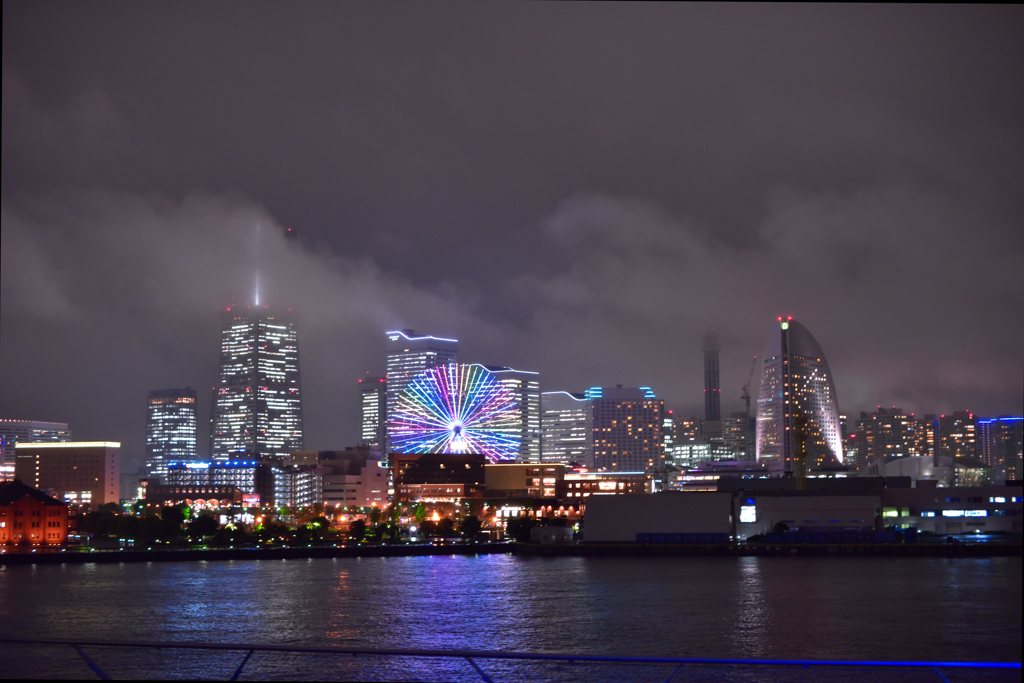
746 387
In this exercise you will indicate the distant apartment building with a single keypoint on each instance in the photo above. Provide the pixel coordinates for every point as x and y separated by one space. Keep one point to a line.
686 429
737 435
926 435
1000 444
887 432
372 404
628 426
13 432
567 426
693 453
170 429
958 435
86 473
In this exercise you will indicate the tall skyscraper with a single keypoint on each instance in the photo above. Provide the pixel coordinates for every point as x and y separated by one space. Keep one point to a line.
407 356
712 388
13 432
372 397
170 429
525 386
796 381
628 426
567 423
257 406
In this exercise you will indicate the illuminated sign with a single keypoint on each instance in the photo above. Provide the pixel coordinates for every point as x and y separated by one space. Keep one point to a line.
965 513
748 514
251 499
606 485
197 465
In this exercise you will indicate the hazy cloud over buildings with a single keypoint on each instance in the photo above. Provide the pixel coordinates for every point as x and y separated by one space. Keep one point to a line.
571 189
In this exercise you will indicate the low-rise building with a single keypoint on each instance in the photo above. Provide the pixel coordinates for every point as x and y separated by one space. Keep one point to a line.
954 510
525 480
827 509
670 517
583 484
438 470
760 512
251 477
353 477
29 515
942 469
202 497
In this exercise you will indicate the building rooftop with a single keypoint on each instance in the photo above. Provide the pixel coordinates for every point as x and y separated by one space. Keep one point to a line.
13 491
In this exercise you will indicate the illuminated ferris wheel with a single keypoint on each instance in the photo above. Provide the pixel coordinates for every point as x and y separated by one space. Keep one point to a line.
456 409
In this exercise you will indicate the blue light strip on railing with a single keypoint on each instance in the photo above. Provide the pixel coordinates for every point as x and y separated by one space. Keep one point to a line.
462 654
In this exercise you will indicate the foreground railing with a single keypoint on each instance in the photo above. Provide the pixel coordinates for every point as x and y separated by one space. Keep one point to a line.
45 658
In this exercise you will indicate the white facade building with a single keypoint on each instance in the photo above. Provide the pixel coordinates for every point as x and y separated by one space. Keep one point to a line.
525 386
408 355
567 426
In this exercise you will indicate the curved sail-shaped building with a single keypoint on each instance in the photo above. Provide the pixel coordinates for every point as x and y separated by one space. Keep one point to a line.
795 379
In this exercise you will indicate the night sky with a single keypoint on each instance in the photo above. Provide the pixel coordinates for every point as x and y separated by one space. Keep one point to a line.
575 189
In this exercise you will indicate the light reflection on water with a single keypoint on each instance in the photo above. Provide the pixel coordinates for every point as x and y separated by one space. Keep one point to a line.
820 608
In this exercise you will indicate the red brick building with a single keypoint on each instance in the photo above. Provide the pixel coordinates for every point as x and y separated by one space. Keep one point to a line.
29 514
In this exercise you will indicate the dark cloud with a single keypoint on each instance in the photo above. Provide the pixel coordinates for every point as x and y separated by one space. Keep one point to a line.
572 188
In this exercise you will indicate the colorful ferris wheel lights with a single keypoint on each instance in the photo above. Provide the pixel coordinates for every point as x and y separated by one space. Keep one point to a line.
456 409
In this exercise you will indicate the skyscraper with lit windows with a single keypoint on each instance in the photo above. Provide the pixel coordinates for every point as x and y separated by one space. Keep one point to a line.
567 423
958 435
1000 445
257 403
170 429
712 388
796 381
13 432
372 397
525 387
628 429
407 355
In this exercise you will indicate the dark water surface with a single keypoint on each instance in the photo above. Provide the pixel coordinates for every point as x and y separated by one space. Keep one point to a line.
747 607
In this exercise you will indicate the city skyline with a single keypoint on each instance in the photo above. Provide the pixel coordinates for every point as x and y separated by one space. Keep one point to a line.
581 209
